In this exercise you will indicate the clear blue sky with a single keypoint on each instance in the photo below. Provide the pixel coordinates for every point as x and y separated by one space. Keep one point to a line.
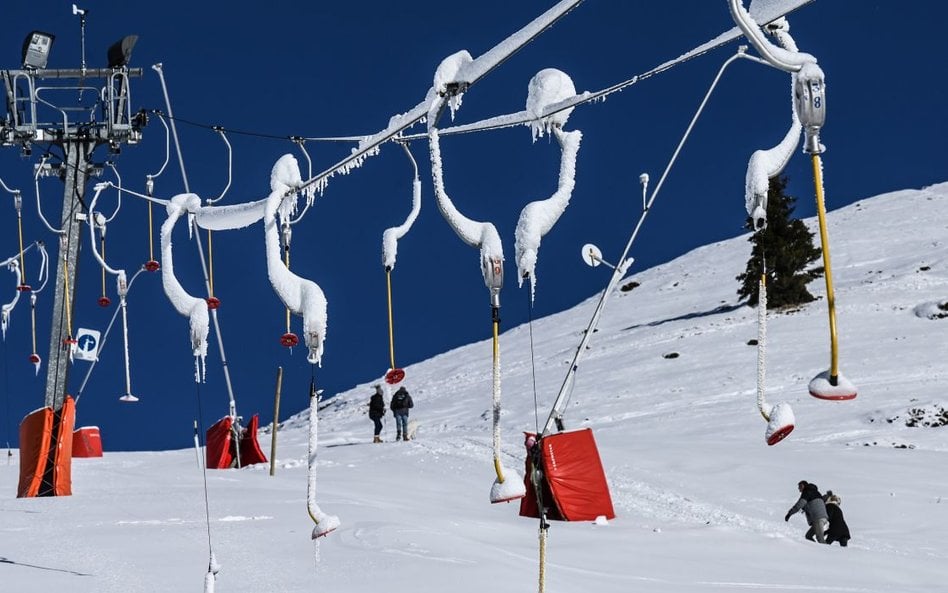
324 69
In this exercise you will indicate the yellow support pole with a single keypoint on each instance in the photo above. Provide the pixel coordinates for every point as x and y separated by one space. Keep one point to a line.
286 259
210 264
276 421
67 301
391 330
151 238
19 224
496 363
102 249
827 269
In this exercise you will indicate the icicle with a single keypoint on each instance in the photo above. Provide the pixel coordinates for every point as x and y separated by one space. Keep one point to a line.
446 84
37 361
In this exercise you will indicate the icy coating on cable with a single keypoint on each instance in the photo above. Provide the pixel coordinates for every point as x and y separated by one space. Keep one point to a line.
194 308
482 235
765 164
537 218
391 236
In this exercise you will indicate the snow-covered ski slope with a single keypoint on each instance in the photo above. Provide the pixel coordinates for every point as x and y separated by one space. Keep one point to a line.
700 497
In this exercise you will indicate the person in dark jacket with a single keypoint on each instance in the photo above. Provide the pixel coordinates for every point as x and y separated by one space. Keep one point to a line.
838 530
401 403
376 412
811 503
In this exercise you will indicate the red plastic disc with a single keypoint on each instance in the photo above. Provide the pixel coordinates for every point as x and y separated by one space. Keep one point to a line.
394 376
836 398
213 302
24 288
289 340
104 301
780 435
152 266
34 358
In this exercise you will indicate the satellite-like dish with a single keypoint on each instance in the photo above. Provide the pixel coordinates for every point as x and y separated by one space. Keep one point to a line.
591 255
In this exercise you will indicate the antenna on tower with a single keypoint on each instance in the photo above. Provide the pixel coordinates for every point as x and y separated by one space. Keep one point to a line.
82 12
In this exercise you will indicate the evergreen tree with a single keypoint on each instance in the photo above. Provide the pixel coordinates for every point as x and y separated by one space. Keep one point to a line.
789 250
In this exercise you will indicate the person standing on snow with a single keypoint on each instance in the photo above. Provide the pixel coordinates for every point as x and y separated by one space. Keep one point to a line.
376 412
838 530
811 503
401 403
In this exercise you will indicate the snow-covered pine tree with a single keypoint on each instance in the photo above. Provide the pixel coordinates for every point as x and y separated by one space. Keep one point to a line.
789 249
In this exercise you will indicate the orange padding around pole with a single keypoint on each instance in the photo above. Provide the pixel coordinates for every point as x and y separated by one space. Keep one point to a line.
35 432
45 456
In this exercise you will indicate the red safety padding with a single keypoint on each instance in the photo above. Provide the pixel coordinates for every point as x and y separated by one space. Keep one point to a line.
35 433
87 442
574 486
219 454
250 452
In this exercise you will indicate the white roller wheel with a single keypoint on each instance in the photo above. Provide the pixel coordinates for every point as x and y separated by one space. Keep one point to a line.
591 255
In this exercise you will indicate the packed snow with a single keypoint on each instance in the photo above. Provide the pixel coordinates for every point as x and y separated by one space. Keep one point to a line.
700 498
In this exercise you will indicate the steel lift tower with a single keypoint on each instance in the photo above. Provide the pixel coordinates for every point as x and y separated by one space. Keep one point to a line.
76 110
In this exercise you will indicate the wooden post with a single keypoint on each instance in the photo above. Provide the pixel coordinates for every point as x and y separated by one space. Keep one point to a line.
276 421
